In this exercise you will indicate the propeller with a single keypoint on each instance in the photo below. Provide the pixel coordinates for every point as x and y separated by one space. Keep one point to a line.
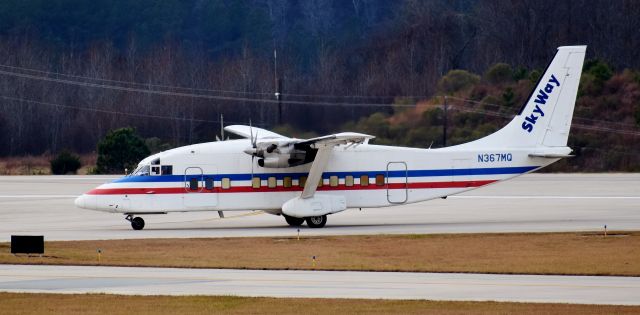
254 146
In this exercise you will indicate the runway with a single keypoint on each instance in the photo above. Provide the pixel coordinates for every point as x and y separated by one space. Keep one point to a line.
43 205
321 284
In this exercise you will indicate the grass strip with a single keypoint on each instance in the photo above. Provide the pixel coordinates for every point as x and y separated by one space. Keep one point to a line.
98 304
517 253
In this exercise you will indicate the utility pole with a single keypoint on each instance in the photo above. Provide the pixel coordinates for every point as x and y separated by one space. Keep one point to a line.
444 124
278 85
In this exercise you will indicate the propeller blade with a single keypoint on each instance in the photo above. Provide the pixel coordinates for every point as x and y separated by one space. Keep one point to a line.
255 142
251 132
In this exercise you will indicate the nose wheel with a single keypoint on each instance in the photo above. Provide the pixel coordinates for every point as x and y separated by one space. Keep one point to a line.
137 223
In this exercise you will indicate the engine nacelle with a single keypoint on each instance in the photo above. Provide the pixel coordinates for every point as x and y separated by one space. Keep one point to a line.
317 205
275 161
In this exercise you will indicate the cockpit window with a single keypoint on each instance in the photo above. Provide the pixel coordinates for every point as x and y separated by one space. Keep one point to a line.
141 171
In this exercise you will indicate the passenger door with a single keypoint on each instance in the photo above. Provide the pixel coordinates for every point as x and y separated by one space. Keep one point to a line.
397 182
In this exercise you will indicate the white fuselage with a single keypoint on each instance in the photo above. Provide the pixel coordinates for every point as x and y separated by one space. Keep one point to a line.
226 175
218 176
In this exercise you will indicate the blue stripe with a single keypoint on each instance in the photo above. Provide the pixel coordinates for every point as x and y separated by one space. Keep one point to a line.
326 175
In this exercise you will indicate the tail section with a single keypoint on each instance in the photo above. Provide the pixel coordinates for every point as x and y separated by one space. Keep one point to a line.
545 119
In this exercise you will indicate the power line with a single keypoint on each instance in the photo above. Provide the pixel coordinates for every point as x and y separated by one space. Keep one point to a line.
269 101
203 96
112 111
174 87
132 82
573 125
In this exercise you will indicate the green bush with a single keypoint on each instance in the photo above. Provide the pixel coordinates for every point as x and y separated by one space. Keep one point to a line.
65 163
499 73
599 69
457 80
534 76
509 97
119 150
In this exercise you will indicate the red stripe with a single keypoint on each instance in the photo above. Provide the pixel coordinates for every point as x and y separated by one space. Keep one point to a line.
248 189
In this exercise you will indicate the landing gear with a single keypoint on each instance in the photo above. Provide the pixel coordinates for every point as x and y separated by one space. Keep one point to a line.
137 223
293 221
316 222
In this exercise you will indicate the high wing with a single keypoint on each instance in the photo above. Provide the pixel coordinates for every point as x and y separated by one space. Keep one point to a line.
258 133
325 145
278 151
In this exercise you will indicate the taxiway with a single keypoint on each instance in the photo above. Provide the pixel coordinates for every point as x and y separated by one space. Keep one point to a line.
321 284
43 205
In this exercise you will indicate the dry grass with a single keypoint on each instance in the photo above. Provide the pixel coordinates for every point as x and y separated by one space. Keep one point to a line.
39 165
140 305
522 253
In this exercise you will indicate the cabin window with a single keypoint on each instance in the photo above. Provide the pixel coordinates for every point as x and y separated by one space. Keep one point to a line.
142 171
167 169
256 182
208 183
272 182
226 183
364 180
380 180
155 170
193 184
333 181
286 182
348 181
302 181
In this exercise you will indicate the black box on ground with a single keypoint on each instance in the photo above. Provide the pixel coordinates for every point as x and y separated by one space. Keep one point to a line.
27 244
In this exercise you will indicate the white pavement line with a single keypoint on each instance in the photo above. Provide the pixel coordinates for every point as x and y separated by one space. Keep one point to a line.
320 284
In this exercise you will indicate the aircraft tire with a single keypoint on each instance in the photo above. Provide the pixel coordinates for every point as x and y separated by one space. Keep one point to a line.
316 222
293 221
137 223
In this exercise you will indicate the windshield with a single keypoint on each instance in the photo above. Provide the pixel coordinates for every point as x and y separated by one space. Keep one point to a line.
141 171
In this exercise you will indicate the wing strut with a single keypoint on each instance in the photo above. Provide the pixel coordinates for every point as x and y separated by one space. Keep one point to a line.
315 174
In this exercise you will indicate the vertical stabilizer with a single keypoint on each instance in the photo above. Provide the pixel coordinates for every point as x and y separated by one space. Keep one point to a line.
545 119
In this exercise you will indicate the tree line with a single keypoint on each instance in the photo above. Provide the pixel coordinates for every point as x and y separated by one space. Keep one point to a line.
337 61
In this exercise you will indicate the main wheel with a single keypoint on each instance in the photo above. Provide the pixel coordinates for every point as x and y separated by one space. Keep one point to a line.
137 223
293 221
317 222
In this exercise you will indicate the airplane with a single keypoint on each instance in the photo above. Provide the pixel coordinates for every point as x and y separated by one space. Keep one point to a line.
305 180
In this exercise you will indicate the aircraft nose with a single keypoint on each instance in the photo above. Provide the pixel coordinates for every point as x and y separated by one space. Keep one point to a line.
86 202
79 202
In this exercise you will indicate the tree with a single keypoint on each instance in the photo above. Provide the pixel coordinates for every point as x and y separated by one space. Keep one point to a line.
65 163
457 80
499 73
120 149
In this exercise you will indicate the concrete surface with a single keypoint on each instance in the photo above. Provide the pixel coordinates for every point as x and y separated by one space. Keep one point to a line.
43 205
316 284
